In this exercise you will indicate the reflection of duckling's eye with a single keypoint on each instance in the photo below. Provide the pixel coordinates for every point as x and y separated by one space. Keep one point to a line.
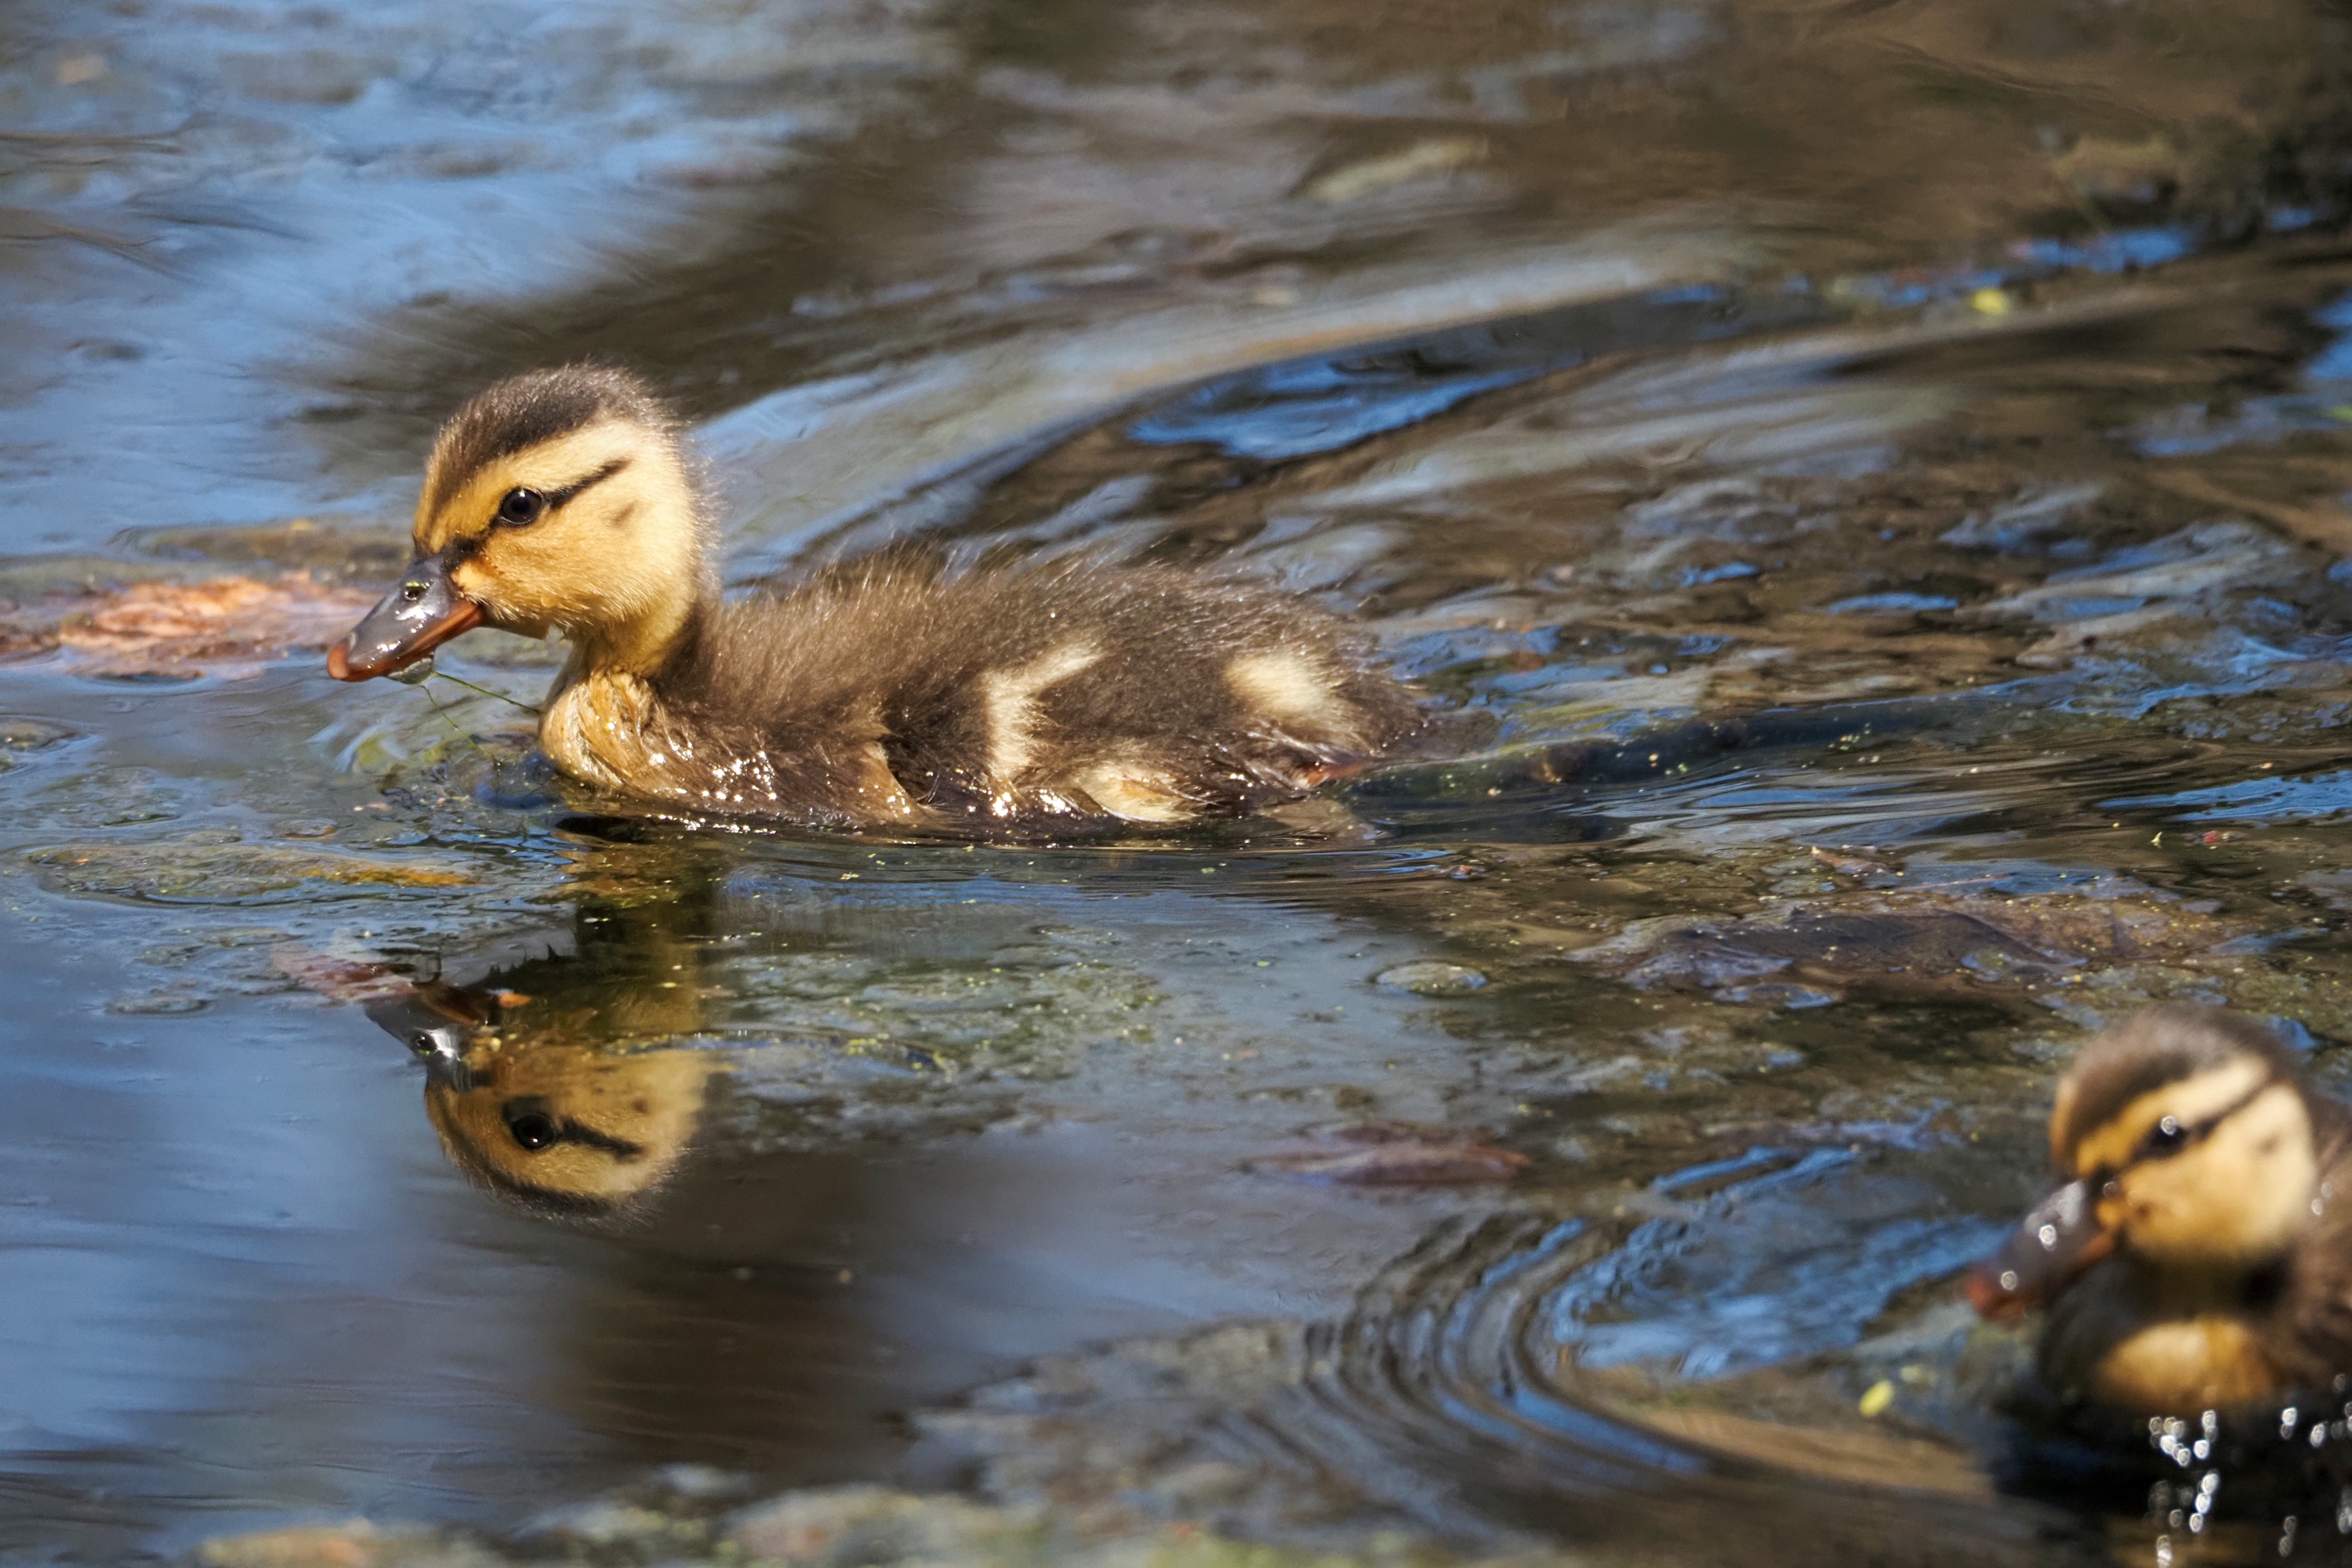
521 506
423 1043
533 1130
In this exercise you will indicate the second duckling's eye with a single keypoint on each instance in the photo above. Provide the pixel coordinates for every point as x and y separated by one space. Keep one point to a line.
521 506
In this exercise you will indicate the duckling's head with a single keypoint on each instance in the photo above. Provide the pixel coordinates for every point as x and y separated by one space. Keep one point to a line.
557 500
2182 1140
565 1130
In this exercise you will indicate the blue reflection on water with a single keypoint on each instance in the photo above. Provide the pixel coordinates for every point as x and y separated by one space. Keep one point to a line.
1892 604
1793 1260
2334 363
2302 799
2116 252
1304 406
2195 430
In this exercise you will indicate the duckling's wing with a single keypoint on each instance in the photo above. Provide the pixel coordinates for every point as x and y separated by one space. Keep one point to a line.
1143 695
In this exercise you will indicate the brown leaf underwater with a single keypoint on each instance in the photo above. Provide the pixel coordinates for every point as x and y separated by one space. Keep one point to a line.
339 979
231 627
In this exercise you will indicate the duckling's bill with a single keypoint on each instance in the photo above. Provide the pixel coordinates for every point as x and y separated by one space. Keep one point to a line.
2053 1245
424 610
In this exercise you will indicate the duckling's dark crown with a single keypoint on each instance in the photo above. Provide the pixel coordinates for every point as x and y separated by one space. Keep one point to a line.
522 411
2162 1046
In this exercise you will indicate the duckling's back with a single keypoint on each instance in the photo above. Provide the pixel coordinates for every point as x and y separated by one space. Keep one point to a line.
885 692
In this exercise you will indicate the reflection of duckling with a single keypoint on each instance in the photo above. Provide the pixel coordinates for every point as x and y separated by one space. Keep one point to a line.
2193 1257
563 1128
880 694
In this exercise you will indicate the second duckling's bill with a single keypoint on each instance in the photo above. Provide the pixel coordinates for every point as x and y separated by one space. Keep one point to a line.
881 694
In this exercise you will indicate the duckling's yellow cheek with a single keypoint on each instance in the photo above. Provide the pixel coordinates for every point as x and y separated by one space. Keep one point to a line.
477 581
521 581
2158 1211
2114 1214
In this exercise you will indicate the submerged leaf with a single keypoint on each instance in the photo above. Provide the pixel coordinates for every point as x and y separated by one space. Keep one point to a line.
229 627
338 979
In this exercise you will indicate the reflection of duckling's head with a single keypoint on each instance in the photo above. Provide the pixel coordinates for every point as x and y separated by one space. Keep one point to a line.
564 1130
2182 1140
557 500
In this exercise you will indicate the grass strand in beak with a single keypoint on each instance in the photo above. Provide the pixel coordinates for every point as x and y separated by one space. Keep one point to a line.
484 690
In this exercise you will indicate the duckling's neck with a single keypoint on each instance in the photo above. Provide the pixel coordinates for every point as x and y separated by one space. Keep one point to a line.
2175 1290
605 719
607 725
649 570
667 628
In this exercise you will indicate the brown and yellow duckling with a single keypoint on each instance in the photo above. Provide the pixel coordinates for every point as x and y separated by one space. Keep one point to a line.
882 694
2196 1254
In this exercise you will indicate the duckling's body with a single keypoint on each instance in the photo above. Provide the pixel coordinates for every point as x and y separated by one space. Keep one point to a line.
884 693
2195 1256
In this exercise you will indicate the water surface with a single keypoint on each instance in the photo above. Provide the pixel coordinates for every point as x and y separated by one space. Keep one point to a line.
1874 476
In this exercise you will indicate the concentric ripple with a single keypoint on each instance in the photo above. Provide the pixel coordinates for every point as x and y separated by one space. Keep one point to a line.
1453 1390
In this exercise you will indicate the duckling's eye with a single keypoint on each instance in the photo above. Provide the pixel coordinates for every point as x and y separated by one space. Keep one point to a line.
2164 1137
521 506
531 1129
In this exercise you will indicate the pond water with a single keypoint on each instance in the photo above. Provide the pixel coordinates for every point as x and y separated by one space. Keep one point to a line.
1874 476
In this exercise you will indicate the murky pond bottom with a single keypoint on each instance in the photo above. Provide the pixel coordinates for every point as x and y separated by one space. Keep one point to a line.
1878 653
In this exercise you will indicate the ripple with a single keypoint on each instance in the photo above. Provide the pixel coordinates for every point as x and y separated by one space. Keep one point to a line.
1443 1393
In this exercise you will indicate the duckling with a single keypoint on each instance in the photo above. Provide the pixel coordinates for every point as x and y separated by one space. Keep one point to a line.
880 694
2194 1255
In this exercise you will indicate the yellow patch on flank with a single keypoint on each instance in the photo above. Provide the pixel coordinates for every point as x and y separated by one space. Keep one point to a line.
2190 1364
1008 701
1288 689
1133 793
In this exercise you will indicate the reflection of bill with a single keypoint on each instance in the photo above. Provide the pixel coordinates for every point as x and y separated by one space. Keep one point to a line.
564 1130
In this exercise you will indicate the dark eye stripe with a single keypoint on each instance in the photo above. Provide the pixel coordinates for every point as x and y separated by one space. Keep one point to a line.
2170 1135
557 498
619 1148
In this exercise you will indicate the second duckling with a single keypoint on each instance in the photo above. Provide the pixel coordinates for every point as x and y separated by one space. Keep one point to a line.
881 694
2196 1254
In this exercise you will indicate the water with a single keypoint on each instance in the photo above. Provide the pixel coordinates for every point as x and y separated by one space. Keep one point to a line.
1873 476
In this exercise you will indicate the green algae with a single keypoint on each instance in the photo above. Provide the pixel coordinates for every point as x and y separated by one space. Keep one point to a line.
179 872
